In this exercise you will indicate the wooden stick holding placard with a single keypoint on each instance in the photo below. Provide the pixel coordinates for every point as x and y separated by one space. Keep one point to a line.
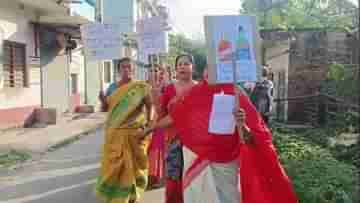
237 93
151 74
237 96
151 58
157 56
101 75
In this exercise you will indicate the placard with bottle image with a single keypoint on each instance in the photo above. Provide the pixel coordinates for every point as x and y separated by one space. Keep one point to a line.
231 38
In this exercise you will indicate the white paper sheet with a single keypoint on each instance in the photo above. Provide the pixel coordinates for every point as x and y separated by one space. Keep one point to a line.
102 41
221 118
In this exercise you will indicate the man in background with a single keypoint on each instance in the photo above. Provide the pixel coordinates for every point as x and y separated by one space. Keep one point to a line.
262 95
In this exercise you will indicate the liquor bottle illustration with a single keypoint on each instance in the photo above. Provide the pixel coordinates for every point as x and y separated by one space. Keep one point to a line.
224 49
242 45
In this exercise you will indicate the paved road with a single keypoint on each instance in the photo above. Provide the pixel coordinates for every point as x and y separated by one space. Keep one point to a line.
64 176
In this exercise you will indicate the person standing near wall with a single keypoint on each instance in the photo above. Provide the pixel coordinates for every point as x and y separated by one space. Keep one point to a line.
262 95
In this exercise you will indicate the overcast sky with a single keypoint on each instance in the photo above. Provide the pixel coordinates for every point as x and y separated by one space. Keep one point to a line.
187 15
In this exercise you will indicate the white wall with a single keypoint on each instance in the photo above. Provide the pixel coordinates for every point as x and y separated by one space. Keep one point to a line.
92 82
56 84
77 67
2 36
16 27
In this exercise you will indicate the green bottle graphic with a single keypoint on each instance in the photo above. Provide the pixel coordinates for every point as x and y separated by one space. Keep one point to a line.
242 45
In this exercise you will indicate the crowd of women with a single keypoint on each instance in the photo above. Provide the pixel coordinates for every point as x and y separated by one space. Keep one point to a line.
157 134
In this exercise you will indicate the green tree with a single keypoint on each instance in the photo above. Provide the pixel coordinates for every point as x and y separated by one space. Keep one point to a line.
293 14
342 81
180 44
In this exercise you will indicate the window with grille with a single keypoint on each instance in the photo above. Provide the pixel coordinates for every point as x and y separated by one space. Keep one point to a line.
74 83
14 64
107 72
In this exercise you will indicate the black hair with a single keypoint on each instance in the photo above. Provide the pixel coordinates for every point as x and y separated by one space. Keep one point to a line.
124 60
265 71
147 66
189 56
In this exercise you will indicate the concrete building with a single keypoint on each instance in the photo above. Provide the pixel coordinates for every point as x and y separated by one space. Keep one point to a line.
126 13
42 67
35 62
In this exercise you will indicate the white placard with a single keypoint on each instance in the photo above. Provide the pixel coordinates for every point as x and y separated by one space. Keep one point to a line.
222 120
152 37
151 25
152 43
231 38
102 41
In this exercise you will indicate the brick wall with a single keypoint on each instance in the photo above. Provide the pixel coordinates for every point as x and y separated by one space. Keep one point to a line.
310 53
310 56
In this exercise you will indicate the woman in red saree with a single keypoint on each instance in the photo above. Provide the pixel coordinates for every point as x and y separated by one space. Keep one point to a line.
174 155
157 147
228 170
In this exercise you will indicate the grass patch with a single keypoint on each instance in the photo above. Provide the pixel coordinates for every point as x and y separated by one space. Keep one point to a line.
13 157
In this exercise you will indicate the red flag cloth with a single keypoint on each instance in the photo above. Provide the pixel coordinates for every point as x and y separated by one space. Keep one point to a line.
263 179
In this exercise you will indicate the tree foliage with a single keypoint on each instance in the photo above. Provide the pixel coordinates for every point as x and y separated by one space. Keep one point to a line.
179 44
336 72
299 14
342 81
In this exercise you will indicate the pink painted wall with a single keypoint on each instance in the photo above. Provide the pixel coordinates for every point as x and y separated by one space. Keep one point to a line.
14 117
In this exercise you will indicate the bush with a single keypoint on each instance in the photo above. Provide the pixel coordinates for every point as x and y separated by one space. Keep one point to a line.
318 136
346 122
316 175
349 154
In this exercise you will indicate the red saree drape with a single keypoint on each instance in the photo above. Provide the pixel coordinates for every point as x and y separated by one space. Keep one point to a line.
263 179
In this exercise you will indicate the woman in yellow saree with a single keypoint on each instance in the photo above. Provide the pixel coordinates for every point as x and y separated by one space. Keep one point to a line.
124 165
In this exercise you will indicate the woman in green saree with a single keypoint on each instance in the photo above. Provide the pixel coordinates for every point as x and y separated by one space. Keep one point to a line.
124 165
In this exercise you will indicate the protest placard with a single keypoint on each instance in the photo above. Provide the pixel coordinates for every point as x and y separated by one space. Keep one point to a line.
152 37
101 41
232 41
